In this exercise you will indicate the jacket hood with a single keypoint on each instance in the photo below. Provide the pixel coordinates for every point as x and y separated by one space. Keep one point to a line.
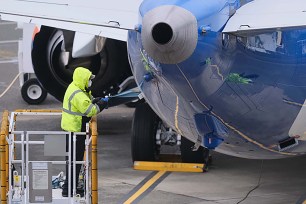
81 77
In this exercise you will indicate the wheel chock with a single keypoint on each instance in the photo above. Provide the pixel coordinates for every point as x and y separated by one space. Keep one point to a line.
169 166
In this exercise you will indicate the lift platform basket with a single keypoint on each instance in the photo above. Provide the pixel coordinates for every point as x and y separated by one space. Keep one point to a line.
32 181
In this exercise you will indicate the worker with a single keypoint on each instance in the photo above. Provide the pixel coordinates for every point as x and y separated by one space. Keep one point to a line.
78 108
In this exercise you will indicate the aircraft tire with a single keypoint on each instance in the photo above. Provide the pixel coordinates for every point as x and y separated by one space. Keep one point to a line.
144 129
110 66
111 71
189 156
41 64
32 92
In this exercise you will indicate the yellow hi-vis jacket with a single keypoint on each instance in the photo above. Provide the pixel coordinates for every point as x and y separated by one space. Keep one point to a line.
77 102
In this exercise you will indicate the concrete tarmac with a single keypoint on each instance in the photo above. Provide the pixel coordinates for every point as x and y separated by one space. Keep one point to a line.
229 180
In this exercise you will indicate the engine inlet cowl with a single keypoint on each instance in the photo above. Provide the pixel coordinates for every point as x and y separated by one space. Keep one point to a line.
169 34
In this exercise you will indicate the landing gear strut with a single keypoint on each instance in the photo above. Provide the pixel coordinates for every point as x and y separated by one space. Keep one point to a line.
149 134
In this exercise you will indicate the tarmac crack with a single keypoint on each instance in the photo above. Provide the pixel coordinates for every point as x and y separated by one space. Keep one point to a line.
210 200
194 197
253 189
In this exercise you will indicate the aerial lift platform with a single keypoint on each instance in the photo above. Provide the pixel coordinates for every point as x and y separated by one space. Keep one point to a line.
32 182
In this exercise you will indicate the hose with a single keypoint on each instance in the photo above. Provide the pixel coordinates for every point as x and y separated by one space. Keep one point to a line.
11 84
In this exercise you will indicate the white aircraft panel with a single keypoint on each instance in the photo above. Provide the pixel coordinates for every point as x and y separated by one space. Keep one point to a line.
99 17
268 14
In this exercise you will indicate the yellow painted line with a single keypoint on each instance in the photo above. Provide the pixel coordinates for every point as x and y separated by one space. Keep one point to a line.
169 166
145 187
304 202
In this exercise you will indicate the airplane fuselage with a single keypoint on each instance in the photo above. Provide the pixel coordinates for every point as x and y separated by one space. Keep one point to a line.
246 94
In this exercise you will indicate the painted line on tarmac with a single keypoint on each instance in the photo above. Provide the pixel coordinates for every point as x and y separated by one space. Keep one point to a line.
8 41
8 23
145 187
9 61
302 199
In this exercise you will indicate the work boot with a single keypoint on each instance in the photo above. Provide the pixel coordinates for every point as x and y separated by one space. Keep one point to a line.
78 192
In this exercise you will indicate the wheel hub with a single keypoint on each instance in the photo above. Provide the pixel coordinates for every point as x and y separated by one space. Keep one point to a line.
34 92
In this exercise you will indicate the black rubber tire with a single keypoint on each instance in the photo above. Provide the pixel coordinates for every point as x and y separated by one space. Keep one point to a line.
189 156
117 68
41 65
56 78
32 86
144 128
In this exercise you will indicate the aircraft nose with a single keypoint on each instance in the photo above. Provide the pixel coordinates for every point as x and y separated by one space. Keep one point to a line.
169 34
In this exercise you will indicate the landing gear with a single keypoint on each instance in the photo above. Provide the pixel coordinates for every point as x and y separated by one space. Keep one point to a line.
150 135
32 92
145 123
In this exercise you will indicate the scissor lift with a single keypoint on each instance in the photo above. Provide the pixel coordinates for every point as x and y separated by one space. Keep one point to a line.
32 182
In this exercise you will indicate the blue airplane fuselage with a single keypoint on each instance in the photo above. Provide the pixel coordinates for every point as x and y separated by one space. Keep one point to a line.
242 96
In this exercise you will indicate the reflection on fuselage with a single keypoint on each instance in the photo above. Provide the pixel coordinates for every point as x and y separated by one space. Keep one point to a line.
251 89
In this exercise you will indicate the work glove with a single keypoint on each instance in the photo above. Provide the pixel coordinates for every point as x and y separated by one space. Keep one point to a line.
102 103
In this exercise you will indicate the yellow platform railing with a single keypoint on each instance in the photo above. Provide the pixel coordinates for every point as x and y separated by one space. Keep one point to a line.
4 157
4 153
94 167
